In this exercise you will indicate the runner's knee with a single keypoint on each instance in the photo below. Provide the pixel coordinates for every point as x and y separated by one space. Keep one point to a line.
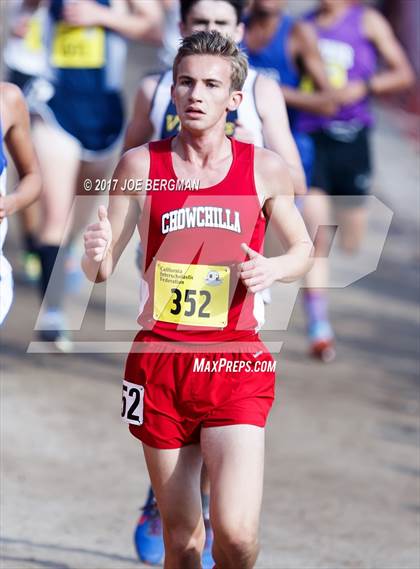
183 542
237 542
350 244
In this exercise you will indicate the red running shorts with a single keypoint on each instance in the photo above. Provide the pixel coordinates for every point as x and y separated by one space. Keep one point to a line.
183 392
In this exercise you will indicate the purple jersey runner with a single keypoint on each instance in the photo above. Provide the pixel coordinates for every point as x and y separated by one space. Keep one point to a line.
348 56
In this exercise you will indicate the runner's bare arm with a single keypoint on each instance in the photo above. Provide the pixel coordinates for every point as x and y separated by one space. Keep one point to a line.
106 240
399 75
304 47
17 137
276 129
140 128
133 19
274 183
307 51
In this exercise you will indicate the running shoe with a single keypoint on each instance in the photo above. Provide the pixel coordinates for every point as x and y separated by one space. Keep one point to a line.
31 267
321 338
53 329
148 536
207 558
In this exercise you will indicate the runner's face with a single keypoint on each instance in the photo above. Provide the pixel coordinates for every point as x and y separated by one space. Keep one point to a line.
202 92
269 7
331 4
209 15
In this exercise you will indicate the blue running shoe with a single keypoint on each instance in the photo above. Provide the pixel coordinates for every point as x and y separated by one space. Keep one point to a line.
148 537
207 558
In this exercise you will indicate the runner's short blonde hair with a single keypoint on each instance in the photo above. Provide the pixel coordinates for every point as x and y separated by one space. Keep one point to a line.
214 43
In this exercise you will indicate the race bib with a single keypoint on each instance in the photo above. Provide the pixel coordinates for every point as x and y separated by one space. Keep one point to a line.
306 84
197 295
132 403
77 47
337 75
338 57
33 37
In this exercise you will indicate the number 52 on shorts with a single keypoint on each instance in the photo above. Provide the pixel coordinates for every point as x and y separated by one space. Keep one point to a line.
132 403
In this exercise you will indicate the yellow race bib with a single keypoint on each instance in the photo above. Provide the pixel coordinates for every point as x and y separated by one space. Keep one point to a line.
33 37
337 75
197 295
77 47
306 84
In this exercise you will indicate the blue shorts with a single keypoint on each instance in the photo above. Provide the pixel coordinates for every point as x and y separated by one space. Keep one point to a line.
306 148
18 78
96 121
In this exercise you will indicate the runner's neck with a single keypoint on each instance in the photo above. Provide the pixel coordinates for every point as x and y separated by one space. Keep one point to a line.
333 14
202 151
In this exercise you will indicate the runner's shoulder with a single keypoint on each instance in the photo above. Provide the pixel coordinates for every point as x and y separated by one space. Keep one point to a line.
265 84
267 94
148 85
135 162
11 94
268 159
12 102
270 170
374 23
304 34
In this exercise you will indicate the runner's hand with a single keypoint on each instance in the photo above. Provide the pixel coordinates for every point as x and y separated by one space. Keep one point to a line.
98 237
258 273
86 13
353 92
7 206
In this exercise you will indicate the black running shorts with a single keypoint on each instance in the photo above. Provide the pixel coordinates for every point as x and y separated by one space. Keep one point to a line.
342 166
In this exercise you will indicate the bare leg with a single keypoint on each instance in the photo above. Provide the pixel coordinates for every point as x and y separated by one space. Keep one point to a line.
234 456
352 222
29 218
317 216
175 476
59 160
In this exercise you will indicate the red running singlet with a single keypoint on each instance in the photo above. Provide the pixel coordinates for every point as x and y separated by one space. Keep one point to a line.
192 241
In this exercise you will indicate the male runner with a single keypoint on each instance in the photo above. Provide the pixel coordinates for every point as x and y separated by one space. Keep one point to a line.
286 49
261 119
25 58
79 108
15 132
350 36
201 300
